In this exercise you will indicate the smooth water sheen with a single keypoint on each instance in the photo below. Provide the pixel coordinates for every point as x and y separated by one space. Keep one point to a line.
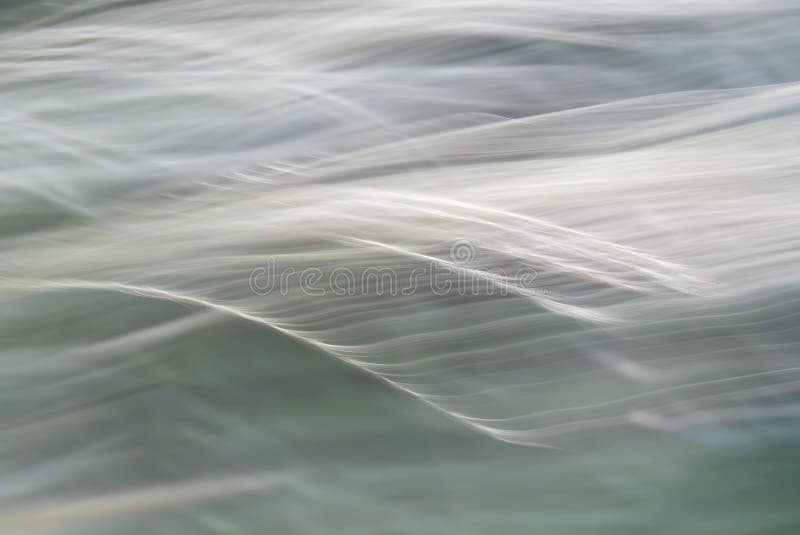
510 267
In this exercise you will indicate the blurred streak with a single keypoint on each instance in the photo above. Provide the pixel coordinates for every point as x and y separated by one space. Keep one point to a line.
134 501
571 226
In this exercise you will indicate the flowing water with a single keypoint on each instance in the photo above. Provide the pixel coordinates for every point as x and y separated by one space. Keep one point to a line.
367 267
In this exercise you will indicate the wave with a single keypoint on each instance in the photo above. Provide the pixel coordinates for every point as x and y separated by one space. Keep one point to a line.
541 220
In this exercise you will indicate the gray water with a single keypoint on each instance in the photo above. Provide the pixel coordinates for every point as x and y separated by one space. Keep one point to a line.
399 267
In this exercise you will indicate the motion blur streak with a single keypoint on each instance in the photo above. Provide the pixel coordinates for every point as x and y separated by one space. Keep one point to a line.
566 225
